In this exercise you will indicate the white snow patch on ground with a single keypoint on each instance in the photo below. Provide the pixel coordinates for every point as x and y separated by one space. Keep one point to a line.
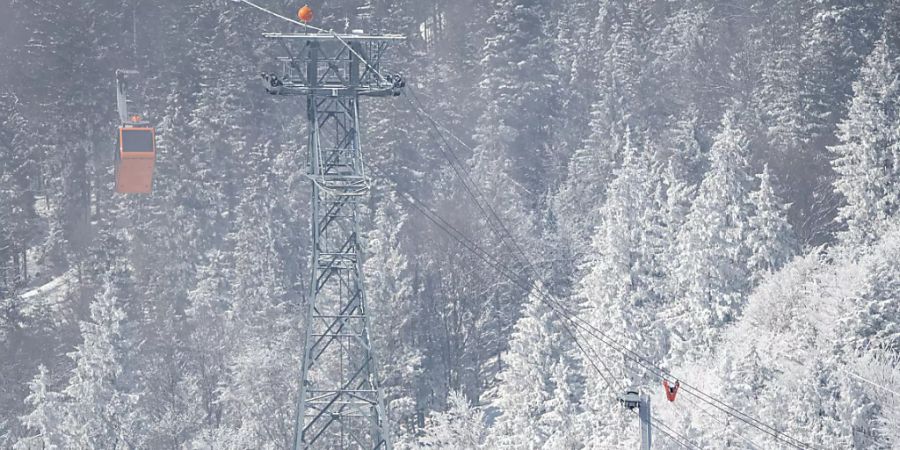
51 286
49 296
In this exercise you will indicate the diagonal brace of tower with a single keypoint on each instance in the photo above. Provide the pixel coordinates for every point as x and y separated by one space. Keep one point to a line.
340 405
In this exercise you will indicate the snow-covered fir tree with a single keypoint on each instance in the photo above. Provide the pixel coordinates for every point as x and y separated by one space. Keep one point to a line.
712 272
539 384
99 406
210 341
874 313
45 418
622 287
461 427
770 238
877 372
623 291
519 75
259 365
392 302
866 159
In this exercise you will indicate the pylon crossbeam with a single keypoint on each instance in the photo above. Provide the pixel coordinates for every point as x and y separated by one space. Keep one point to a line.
321 64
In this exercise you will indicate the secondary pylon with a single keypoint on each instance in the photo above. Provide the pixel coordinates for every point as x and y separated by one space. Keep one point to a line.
341 405
633 399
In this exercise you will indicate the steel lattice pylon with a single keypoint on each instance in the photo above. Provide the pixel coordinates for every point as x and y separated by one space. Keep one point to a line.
340 403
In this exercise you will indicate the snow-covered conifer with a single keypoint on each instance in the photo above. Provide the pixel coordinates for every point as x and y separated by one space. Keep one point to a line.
867 159
99 402
711 272
538 385
622 290
519 80
392 304
770 237
45 417
461 427
874 317
621 287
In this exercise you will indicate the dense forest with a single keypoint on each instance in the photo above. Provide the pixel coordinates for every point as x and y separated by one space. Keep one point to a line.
712 185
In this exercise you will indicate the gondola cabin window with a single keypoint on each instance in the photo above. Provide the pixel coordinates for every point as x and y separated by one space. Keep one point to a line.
135 159
137 140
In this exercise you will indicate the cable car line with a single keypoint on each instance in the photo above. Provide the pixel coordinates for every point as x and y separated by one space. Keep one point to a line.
641 360
492 261
750 442
605 373
870 382
482 254
460 170
662 427
463 240
660 373
592 330
496 225
675 436
478 197
419 108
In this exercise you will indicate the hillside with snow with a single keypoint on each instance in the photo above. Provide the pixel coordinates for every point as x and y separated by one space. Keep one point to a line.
570 203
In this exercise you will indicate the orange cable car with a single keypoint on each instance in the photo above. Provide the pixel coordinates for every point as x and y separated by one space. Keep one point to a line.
135 158
136 146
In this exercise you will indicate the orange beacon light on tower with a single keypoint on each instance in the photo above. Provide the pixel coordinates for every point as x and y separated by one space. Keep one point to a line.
305 14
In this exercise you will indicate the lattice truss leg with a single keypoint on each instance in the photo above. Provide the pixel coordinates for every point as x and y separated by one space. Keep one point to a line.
341 405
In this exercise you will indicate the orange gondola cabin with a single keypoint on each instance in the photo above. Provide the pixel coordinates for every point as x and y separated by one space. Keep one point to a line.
135 158
136 145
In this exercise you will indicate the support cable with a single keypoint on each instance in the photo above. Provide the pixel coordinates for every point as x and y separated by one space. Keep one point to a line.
870 382
471 188
592 357
612 343
753 445
636 357
463 240
673 435
453 158
491 261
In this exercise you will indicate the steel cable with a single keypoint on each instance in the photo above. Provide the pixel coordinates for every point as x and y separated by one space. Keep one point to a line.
603 337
